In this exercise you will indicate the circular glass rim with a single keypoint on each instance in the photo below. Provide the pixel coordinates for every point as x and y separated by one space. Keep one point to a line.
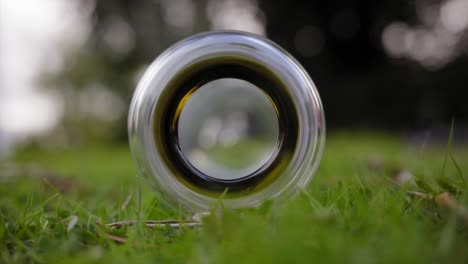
154 167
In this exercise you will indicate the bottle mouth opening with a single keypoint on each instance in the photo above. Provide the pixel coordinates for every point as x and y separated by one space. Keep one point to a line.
226 114
228 129
226 124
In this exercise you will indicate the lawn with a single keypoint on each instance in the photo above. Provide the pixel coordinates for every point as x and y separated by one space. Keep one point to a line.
375 199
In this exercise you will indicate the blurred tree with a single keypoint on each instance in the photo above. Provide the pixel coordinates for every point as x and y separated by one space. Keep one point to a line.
360 82
350 48
125 37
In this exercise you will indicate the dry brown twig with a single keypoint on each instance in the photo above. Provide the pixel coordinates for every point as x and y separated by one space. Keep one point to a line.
157 223
148 223
447 201
118 239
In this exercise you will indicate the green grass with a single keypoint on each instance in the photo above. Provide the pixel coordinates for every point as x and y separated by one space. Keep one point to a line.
241 154
352 212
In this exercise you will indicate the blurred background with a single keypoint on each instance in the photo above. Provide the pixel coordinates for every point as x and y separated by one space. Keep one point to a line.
68 68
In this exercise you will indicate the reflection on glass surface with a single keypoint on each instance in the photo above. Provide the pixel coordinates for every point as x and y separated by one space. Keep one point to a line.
228 129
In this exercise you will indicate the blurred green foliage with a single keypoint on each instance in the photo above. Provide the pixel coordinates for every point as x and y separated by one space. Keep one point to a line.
360 83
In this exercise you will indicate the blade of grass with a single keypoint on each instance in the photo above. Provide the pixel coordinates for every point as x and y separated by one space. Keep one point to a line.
449 154
139 197
457 167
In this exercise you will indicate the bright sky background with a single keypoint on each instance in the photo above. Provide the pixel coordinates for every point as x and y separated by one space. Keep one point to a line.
32 36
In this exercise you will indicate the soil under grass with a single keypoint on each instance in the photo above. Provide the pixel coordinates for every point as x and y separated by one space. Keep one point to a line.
375 199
